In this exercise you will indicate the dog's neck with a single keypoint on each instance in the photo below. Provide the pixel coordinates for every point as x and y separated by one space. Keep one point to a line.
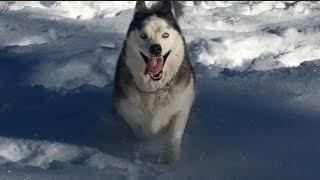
137 65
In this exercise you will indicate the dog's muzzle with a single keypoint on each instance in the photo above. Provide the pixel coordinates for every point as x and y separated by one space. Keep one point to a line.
154 65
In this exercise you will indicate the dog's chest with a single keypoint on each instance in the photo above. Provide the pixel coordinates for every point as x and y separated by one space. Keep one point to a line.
153 112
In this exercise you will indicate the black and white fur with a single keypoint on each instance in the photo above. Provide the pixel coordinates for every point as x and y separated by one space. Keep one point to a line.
151 110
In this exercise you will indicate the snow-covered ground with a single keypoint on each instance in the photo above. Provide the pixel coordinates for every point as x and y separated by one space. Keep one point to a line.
256 115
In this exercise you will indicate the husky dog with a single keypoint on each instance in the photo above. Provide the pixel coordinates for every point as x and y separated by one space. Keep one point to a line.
154 81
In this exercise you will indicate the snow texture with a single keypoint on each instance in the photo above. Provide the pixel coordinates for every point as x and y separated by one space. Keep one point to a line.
256 114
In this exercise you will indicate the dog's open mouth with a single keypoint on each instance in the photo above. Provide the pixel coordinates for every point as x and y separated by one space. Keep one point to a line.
154 65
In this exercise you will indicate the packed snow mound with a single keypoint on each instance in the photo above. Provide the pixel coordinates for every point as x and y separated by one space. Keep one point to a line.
39 154
252 35
76 10
44 155
82 10
287 49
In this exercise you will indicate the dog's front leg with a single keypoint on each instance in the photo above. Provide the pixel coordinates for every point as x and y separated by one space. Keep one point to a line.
174 137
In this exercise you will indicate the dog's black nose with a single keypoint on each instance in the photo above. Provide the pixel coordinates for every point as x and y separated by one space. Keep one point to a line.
155 49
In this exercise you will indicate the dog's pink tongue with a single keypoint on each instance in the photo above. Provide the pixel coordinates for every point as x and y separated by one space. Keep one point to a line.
154 66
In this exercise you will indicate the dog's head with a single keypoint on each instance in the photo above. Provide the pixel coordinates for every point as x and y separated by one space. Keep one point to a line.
154 39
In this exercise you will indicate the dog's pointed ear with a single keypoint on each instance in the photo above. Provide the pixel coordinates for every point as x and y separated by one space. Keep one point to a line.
140 7
167 7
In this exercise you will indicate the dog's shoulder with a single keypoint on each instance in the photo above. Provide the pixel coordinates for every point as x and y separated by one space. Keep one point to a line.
185 73
121 77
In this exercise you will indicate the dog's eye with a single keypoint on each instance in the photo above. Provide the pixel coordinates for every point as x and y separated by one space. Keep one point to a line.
143 36
165 35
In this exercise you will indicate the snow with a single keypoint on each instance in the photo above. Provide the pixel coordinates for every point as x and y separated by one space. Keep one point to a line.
245 32
255 116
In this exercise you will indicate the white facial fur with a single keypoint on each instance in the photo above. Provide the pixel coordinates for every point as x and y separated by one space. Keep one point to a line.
154 27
